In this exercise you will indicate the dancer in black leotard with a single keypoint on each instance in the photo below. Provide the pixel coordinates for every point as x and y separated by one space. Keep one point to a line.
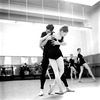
56 58
83 64
54 52
72 66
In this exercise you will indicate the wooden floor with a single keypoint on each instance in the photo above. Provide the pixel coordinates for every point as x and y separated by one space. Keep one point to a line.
29 89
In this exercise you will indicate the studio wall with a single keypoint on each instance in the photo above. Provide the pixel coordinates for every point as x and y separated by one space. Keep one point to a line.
22 39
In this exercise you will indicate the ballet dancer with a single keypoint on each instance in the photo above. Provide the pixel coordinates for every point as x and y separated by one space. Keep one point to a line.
83 64
45 61
56 58
72 67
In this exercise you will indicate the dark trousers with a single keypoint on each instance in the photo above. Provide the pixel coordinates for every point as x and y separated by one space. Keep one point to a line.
64 80
45 63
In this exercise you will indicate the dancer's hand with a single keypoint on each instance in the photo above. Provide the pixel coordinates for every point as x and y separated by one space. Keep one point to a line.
55 42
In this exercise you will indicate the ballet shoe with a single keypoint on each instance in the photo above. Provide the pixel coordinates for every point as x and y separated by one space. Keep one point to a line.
72 79
51 89
41 93
69 90
94 79
59 93
79 81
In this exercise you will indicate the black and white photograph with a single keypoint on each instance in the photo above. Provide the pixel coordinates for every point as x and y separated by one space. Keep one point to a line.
49 49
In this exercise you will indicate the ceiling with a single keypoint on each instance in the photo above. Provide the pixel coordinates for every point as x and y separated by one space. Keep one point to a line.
83 2
46 11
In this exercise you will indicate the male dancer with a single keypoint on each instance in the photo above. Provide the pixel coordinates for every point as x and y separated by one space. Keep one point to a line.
45 60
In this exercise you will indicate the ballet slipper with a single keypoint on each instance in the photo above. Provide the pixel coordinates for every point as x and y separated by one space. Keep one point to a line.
51 89
79 80
72 79
59 93
69 90
94 79
41 93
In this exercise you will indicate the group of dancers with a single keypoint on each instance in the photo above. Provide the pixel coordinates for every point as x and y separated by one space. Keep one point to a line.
81 63
50 43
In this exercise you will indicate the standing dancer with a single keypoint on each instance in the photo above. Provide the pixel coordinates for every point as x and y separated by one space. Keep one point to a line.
83 64
45 61
56 58
72 66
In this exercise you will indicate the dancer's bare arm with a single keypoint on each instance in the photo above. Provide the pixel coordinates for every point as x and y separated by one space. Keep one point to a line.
58 43
41 40
43 43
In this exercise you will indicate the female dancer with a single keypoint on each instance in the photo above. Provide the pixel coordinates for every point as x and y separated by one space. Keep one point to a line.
56 58
83 64
72 67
